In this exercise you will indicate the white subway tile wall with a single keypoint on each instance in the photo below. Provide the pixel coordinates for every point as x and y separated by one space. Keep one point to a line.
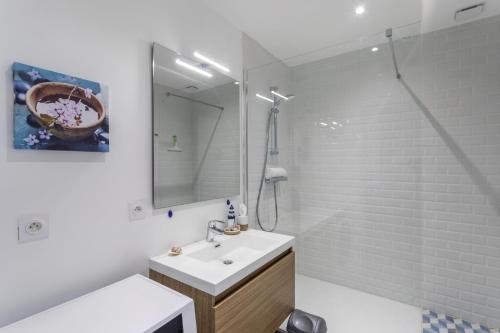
217 163
384 198
173 171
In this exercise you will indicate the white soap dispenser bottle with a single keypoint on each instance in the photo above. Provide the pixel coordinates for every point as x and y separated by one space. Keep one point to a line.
231 217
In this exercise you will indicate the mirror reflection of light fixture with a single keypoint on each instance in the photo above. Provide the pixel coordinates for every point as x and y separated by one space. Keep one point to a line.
193 68
279 95
264 98
211 62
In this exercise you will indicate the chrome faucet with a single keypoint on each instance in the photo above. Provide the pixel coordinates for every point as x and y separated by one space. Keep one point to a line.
214 227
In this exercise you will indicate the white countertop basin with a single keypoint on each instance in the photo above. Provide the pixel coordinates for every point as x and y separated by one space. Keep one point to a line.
201 264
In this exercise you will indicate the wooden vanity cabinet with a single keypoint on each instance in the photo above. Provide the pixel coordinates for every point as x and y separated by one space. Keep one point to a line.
257 304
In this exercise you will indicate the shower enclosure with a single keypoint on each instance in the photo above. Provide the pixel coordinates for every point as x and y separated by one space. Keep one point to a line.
392 148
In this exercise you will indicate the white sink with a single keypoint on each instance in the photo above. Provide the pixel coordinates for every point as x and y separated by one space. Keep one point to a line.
213 269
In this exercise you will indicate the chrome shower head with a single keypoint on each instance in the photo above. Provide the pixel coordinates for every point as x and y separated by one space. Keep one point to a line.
279 97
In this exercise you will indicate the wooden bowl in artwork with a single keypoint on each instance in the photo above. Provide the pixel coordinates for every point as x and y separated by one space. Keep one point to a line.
43 96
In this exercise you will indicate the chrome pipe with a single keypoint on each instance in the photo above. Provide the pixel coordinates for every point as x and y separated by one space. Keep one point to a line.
388 34
275 149
196 101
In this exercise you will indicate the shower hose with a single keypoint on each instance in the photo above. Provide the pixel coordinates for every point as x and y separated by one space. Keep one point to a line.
259 196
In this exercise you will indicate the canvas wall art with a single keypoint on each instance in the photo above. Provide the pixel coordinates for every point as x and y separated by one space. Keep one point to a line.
54 111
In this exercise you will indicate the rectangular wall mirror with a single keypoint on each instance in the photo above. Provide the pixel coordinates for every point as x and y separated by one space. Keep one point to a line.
196 130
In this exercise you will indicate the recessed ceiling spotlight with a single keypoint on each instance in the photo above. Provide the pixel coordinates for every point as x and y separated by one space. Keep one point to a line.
374 49
211 62
360 10
323 124
237 82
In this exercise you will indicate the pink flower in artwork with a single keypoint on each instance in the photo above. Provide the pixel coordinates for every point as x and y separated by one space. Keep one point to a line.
88 92
44 134
31 140
34 74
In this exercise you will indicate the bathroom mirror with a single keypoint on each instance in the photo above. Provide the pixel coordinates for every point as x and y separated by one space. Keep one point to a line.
196 130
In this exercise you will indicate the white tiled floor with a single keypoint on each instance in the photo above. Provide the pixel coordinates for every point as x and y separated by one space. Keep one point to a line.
350 311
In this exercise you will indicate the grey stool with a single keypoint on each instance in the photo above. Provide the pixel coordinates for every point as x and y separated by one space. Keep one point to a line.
303 322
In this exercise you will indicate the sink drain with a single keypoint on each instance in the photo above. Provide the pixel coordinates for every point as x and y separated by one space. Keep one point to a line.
227 261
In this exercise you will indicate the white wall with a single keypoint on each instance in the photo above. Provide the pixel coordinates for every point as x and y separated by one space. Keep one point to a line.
91 241
394 203
217 162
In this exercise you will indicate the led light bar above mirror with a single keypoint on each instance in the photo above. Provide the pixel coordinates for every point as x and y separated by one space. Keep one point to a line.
193 68
211 62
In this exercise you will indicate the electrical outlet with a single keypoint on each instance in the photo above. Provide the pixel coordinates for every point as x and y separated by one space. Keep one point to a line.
32 227
137 210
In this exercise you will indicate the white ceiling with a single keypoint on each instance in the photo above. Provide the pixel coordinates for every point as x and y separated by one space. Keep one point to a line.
300 31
